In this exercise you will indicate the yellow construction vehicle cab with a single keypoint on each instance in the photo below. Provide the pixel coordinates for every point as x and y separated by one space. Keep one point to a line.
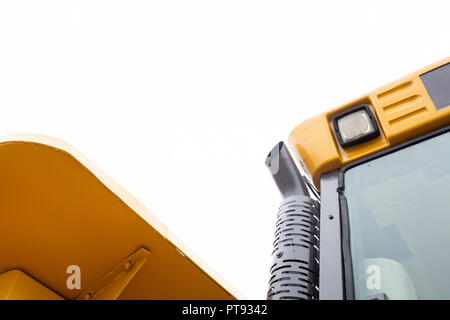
365 217
373 207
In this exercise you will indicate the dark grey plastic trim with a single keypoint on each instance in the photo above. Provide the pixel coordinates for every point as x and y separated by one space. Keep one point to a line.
331 273
437 83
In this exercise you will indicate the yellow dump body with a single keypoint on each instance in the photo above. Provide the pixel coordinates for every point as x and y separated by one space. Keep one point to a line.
403 111
59 210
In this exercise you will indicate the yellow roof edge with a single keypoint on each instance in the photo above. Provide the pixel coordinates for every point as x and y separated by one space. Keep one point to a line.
314 143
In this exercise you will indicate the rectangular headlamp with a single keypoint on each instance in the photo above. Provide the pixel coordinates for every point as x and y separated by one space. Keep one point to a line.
355 126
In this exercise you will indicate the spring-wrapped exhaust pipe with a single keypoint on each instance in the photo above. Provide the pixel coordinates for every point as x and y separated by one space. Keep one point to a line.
295 268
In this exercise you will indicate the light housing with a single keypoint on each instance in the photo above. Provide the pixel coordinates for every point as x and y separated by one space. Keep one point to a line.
355 126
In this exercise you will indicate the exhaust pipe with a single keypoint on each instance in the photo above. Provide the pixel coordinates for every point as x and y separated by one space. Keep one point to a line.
295 267
285 172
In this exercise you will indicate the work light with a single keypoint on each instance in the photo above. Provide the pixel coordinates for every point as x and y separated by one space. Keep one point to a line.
355 126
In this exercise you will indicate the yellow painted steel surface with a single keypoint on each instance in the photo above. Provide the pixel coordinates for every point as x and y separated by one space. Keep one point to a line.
57 209
403 110
16 285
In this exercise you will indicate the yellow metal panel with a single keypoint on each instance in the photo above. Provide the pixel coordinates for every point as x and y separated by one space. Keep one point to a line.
403 110
16 285
58 209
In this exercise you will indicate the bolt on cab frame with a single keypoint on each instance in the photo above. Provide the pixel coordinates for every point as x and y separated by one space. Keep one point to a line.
382 166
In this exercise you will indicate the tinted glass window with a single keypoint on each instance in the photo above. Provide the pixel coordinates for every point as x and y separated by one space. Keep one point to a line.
399 218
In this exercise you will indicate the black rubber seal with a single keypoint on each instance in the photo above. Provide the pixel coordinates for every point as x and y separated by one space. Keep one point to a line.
365 138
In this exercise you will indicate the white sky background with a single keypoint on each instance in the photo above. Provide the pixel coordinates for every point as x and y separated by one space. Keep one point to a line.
180 101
